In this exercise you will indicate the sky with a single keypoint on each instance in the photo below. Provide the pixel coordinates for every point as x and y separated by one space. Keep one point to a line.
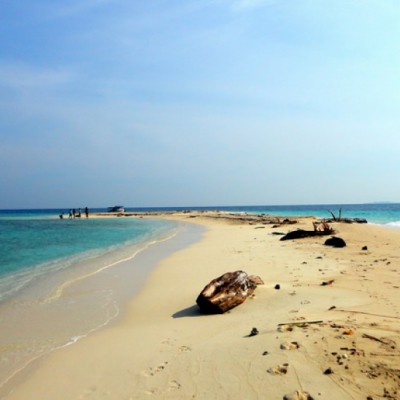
149 103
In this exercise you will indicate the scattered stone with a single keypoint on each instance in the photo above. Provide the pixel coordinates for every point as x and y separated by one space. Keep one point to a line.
364 248
279 369
277 286
265 353
335 241
253 332
290 346
285 328
328 371
327 283
225 292
298 395
332 308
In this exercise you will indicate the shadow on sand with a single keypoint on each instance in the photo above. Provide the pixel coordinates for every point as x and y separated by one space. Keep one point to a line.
192 311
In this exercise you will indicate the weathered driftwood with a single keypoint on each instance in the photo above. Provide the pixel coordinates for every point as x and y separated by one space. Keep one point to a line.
348 220
226 292
302 233
300 323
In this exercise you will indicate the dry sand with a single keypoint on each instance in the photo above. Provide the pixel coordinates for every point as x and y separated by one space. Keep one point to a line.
164 348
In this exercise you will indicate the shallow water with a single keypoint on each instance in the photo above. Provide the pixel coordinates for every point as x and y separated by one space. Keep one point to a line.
60 305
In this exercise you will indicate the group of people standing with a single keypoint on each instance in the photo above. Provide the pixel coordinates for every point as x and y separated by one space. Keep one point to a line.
73 213
76 213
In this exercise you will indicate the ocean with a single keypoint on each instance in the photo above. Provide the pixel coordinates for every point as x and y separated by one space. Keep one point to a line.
61 279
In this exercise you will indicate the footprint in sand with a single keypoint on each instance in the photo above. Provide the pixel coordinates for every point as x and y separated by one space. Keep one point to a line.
290 346
150 392
155 370
279 369
173 385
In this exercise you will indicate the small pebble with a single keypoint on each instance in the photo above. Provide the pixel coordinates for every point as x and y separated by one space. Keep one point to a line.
254 332
277 286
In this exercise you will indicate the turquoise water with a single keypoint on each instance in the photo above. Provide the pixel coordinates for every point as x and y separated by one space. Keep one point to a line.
62 279
34 244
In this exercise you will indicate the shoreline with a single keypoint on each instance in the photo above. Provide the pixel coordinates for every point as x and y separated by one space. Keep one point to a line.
164 348
52 313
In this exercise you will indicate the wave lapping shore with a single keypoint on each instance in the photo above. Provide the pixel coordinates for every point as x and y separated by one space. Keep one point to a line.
327 322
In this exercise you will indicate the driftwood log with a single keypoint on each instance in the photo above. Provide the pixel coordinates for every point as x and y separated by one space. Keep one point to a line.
301 233
226 292
348 220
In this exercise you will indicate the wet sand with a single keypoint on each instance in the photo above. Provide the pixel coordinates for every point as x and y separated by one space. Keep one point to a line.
330 330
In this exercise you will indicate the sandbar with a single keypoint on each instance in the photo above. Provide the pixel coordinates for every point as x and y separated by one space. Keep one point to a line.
328 322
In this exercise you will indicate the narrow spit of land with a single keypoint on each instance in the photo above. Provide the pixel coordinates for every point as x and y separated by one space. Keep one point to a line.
328 321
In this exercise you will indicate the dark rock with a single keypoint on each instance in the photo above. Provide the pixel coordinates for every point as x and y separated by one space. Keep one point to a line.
364 248
335 241
277 286
328 371
253 332
327 283
225 292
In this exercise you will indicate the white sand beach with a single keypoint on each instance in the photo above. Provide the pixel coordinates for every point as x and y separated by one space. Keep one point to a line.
164 348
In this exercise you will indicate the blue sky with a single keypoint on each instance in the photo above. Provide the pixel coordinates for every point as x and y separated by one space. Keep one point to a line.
198 102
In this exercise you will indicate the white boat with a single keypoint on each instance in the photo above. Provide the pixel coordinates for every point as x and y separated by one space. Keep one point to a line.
116 209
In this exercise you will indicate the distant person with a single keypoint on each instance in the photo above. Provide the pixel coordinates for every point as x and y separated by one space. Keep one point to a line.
70 214
87 212
61 216
79 213
74 212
